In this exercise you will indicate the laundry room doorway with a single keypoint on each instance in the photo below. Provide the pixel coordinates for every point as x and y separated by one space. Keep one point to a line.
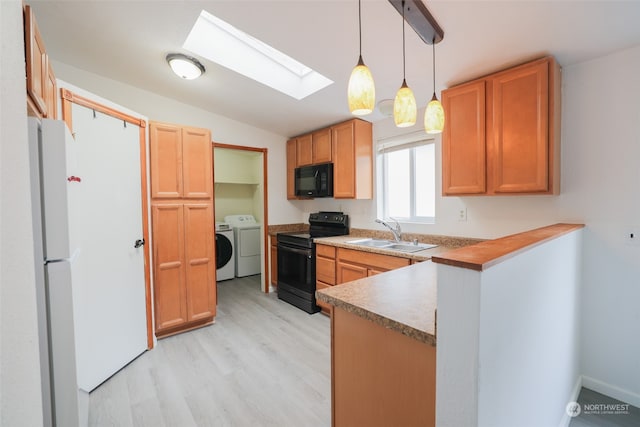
240 188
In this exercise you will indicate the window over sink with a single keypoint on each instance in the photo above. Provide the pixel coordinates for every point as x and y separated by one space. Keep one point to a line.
406 184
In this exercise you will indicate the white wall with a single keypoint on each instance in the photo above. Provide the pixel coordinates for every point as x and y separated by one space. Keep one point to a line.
223 130
602 138
508 339
20 388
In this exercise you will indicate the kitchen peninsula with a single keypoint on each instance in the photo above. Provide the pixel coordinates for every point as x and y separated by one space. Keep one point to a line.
384 328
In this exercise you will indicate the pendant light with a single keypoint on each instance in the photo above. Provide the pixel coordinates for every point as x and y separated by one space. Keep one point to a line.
404 106
361 92
434 114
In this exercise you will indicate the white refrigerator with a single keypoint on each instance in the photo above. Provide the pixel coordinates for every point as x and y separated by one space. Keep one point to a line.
56 190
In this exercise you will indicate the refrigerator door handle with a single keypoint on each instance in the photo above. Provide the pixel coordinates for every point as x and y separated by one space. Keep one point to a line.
139 243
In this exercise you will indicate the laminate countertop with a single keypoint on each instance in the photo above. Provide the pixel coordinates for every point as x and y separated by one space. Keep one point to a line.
403 300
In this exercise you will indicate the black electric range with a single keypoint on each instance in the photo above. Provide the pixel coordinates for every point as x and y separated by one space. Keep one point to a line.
297 258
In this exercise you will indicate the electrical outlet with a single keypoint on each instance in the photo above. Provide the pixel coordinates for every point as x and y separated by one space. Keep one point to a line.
632 237
462 214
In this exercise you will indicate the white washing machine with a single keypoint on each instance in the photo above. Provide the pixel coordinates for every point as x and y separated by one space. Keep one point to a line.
225 253
247 243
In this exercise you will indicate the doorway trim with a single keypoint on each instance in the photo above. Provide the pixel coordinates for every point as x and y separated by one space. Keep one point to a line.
67 98
265 203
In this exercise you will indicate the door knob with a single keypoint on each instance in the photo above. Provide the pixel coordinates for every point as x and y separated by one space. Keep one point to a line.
138 243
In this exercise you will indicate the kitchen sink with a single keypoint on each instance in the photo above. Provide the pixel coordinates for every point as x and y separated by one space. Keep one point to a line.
376 243
409 247
392 245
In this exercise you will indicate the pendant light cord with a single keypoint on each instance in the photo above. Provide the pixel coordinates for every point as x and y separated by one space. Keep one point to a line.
404 76
360 25
434 64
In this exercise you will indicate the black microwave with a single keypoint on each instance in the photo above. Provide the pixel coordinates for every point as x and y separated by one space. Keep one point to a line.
314 180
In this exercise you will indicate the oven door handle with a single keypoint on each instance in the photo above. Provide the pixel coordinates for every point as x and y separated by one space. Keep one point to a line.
306 252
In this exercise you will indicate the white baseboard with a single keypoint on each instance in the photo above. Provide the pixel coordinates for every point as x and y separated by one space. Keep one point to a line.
566 419
625 396
83 408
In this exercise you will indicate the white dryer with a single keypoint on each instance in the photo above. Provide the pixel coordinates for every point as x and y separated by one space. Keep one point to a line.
247 243
225 253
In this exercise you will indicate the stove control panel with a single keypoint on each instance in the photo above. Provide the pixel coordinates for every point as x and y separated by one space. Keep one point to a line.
329 218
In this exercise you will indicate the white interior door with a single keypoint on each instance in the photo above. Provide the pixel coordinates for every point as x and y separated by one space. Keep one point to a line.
111 321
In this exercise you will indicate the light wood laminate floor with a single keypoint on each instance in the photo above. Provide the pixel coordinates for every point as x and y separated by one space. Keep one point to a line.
263 363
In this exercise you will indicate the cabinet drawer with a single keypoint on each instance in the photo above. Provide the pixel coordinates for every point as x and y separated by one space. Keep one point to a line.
326 270
326 251
375 261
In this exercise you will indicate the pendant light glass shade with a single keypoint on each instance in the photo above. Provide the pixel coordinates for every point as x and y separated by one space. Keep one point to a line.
404 106
361 91
405 110
434 116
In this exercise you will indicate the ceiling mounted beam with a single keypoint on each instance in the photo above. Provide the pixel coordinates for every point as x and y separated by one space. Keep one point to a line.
420 19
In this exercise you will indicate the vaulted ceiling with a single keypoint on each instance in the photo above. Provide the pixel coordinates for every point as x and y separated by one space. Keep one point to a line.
127 41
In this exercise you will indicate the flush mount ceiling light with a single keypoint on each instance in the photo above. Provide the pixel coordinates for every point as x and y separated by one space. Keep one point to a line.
404 106
361 92
434 114
224 44
185 66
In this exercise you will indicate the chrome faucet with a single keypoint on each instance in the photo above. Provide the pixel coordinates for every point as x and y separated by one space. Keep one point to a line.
397 232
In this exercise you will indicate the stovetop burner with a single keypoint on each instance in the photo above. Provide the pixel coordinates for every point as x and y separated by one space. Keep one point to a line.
321 224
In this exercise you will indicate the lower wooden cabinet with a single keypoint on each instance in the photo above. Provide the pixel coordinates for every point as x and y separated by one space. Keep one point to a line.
273 274
353 265
184 267
325 270
380 377
335 266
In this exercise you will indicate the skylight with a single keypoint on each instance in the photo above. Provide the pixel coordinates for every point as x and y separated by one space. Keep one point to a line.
224 44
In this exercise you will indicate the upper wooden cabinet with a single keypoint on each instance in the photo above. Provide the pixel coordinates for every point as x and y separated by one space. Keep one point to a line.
502 132
291 168
352 160
304 150
321 146
348 145
41 82
463 139
181 162
314 148
197 169
51 93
